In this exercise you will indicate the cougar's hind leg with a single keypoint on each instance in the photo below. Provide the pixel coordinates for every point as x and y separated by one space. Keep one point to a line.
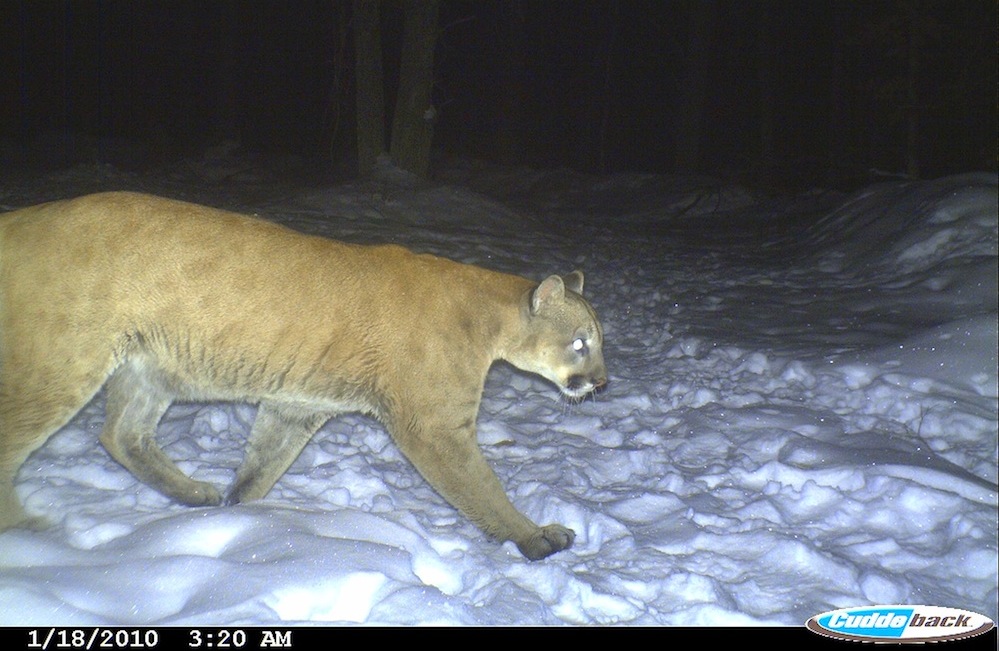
36 399
137 399
279 434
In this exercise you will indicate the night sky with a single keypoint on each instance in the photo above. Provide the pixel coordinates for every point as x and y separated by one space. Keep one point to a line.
593 86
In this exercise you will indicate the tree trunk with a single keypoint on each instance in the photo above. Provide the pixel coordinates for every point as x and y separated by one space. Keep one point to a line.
370 85
413 123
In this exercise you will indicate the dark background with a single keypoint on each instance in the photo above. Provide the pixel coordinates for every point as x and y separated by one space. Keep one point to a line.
780 94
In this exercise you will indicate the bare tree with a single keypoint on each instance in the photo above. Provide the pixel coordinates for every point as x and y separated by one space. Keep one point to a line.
370 85
413 119
413 122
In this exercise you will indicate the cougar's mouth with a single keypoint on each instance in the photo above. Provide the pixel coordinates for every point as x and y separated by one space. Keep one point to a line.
578 387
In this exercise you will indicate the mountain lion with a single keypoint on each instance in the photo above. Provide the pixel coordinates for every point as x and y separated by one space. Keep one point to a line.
168 301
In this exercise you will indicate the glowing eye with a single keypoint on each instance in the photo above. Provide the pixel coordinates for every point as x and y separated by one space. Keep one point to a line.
578 344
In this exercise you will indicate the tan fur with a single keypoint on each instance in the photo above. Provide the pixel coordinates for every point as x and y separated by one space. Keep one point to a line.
164 301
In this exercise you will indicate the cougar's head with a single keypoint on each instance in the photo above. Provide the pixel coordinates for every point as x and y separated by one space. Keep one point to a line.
561 338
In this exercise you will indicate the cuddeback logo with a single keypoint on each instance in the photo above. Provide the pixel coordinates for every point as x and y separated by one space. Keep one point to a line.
900 623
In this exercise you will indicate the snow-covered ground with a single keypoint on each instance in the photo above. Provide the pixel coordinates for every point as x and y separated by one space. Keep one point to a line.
802 416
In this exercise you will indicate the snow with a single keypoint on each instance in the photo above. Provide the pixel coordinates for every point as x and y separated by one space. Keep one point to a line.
801 416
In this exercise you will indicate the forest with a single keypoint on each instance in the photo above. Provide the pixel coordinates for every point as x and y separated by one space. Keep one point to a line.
776 94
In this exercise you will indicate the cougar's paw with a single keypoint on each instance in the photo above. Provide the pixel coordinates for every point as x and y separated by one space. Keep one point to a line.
546 541
34 523
200 494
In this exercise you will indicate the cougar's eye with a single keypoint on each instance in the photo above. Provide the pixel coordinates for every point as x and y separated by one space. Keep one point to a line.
579 345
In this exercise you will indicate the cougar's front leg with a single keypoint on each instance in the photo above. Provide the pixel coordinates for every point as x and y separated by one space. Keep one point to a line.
278 436
451 461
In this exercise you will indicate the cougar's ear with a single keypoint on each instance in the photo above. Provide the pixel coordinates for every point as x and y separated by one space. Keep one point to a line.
551 289
574 281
